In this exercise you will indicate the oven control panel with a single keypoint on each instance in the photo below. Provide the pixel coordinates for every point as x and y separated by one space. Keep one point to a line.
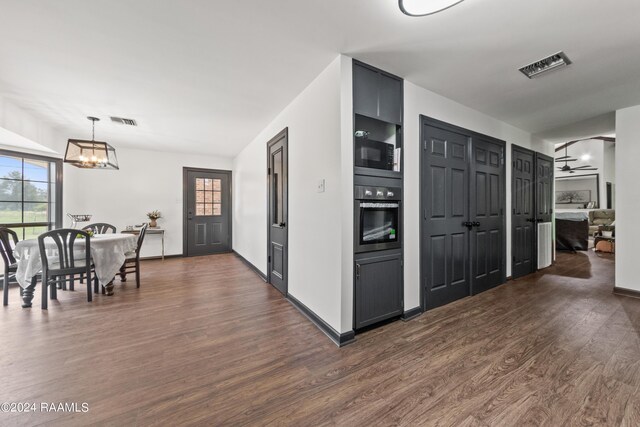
363 192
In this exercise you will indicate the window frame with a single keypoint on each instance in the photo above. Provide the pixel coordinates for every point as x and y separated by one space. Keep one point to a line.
58 197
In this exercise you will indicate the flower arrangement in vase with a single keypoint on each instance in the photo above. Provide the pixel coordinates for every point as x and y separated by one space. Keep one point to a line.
154 216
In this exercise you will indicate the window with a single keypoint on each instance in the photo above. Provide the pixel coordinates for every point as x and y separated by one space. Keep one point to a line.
208 197
30 193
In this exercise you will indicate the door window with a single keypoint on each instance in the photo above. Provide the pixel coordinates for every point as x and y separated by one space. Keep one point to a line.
208 197
278 188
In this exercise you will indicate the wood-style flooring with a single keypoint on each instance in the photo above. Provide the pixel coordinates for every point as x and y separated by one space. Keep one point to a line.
205 342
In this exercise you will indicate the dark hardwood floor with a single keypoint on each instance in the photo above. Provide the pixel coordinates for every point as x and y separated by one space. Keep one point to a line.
205 342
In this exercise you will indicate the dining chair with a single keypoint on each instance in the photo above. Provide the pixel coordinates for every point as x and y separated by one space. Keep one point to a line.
10 264
100 228
132 262
64 267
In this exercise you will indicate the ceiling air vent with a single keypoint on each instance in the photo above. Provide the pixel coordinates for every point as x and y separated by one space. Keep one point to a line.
122 121
547 64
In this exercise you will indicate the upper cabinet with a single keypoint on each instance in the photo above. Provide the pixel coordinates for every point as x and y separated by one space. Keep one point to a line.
377 94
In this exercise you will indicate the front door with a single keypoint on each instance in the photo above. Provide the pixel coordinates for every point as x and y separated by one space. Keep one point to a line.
487 213
445 209
207 212
277 207
523 215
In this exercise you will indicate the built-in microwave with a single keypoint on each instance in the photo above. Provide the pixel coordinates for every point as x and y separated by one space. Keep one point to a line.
374 154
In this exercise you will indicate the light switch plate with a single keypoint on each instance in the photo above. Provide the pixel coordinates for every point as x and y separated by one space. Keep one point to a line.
321 186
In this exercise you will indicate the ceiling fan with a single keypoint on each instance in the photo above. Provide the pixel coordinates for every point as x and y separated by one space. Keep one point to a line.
566 159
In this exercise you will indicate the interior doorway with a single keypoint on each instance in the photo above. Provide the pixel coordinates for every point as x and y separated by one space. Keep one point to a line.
207 211
278 211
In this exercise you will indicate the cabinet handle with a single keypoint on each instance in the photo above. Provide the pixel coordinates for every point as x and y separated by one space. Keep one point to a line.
357 271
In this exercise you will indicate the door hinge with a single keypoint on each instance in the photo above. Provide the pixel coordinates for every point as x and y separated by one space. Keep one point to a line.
269 259
268 171
424 144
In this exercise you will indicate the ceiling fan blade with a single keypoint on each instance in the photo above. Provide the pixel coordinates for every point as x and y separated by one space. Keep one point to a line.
566 160
563 157
588 169
583 167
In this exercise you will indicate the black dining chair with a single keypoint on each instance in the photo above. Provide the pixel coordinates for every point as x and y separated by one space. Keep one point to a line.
100 228
10 265
132 262
65 266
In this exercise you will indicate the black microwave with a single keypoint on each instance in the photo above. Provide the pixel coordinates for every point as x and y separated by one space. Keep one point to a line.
374 154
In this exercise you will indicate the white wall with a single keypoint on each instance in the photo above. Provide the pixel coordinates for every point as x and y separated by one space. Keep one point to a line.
609 172
627 198
147 180
419 101
315 219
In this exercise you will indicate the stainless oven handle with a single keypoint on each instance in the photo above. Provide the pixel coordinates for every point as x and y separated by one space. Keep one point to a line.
379 205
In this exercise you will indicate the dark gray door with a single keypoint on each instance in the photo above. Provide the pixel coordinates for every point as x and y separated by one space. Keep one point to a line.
277 170
207 212
487 213
378 294
544 187
445 209
523 215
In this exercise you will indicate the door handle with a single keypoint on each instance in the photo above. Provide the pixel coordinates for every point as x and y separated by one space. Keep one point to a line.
531 220
476 224
357 271
190 216
539 220
468 224
282 224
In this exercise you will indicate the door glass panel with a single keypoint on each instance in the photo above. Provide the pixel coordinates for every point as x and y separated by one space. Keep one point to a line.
208 197
277 183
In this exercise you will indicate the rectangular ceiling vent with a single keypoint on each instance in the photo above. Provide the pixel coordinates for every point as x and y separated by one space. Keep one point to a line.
550 63
122 121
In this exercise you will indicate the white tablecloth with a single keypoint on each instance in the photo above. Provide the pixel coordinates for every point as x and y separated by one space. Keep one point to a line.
107 251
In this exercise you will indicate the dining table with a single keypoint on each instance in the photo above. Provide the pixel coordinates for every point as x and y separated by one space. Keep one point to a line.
108 253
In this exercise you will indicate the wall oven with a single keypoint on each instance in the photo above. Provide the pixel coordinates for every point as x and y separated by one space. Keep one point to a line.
377 211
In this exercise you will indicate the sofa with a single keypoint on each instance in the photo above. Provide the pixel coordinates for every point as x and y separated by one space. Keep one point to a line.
599 218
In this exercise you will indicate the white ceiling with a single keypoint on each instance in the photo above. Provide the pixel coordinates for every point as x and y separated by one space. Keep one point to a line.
206 76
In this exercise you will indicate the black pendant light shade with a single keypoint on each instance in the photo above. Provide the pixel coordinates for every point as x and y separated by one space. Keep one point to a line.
91 154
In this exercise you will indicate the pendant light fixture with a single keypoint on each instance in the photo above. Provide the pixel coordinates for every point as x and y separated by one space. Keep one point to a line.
425 7
91 154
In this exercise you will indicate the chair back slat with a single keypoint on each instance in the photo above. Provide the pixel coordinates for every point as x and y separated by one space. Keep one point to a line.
65 239
6 249
100 228
143 232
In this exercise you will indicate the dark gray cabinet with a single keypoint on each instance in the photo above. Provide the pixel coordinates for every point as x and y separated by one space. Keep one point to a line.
377 94
378 290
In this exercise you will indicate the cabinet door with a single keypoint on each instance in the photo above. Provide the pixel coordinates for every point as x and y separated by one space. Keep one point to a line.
378 289
365 91
390 99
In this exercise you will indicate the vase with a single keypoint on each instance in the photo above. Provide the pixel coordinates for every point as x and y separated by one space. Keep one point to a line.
153 223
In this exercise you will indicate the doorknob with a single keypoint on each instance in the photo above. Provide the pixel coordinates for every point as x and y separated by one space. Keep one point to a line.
282 224
468 224
476 224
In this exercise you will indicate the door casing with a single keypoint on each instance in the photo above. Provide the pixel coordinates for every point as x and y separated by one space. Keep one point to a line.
185 205
282 135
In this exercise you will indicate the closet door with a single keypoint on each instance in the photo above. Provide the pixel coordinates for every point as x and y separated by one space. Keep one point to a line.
544 188
445 202
523 215
487 213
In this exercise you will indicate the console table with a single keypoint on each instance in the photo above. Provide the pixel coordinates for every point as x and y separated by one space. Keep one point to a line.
150 230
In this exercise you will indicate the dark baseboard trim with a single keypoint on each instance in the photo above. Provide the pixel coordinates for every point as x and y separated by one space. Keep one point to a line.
410 314
251 266
151 258
626 292
339 339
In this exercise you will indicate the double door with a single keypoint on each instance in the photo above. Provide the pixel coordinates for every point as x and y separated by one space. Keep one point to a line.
532 200
463 201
